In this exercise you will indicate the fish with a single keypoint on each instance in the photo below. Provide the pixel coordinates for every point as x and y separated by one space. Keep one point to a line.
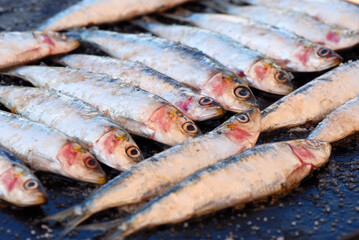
135 110
45 149
94 12
22 47
334 12
314 100
300 23
286 49
184 64
157 173
340 123
195 106
18 185
268 169
259 71
106 140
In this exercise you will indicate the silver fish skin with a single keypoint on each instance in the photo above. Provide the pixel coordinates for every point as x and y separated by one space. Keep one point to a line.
193 105
137 111
153 175
314 100
255 174
335 12
184 64
21 47
94 12
106 140
18 185
260 72
340 123
45 149
299 23
287 49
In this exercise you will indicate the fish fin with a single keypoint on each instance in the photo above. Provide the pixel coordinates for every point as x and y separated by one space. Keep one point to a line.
80 33
239 206
102 226
114 234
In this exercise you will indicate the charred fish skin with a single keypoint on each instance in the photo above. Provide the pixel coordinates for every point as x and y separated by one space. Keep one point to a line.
22 47
287 49
93 12
153 175
18 185
260 72
196 106
105 139
255 174
137 111
45 149
314 100
340 123
184 64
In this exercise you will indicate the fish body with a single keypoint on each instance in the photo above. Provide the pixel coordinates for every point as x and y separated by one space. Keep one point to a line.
194 105
137 111
22 47
94 12
286 49
105 139
260 72
340 123
18 185
255 174
184 64
45 149
314 100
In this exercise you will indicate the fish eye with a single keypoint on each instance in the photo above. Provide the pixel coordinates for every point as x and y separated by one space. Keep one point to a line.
133 152
281 76
189 127
205 101
243 118
31 184
91 162
241 92
323 52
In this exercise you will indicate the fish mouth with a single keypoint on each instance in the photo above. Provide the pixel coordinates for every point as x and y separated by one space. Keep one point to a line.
283 89
39 199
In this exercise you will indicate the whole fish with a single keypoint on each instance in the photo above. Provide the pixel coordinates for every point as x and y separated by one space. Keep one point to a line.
150 177
93 12
340 123
297 22
314 100
335 12
22 47
285 48
137 111
48 150
184 64
262 171
18 185
195 106
106 140
260 72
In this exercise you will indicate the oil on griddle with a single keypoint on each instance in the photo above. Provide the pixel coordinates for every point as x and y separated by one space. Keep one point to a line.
325 206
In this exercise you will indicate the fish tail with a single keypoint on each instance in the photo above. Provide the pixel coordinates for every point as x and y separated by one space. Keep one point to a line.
105 226
114 234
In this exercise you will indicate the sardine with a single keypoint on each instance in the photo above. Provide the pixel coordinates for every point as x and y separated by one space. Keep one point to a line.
18 185
153 175
260 72
45 149
314 100
106 140
286 49
268 169
195 106
22 47
137 111
93 12
184 64
340 123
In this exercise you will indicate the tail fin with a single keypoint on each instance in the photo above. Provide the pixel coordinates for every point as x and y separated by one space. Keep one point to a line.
103 226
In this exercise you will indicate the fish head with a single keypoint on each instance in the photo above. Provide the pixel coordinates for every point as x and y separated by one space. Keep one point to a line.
343 37
268 76
79 164
230 91
119 149
198 107
22 188
171 126
56 42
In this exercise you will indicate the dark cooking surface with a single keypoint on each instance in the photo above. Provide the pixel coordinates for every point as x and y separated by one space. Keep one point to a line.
325 206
